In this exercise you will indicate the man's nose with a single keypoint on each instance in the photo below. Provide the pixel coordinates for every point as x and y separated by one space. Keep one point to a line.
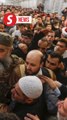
28 66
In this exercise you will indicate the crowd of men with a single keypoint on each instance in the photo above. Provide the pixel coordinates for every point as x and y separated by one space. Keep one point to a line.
33 66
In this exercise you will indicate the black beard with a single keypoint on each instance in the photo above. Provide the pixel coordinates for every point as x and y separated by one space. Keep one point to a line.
35 73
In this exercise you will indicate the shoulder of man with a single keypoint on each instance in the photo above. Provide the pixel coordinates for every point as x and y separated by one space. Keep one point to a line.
49 73
17 60
20 70
19 66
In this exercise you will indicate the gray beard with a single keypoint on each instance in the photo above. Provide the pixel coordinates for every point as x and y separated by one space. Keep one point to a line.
5 64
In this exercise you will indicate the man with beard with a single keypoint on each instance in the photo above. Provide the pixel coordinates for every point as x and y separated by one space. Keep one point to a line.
34 66
8 66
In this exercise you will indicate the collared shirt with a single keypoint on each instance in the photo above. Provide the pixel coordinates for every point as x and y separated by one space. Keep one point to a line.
40 72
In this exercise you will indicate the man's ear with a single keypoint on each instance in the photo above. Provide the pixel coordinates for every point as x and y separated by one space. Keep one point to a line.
61 66
42 64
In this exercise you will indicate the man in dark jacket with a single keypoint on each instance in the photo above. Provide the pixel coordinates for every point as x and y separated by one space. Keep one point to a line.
53 62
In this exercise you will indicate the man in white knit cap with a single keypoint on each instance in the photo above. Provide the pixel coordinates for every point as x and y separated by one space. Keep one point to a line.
26 97
41 105
28 88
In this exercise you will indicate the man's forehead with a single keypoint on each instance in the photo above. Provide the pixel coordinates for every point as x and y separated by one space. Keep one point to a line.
51 33
32 58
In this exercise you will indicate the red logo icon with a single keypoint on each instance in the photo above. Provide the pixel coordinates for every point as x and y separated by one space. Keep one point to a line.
9 19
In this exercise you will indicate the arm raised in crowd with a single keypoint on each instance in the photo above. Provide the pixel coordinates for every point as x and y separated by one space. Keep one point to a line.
58 87
51 94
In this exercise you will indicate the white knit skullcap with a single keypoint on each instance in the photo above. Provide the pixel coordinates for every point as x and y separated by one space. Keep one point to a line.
31 86
64 31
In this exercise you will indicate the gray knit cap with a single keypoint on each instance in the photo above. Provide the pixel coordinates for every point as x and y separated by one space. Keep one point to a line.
6 39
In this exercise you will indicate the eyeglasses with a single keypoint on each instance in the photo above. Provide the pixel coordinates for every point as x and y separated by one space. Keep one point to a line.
53 64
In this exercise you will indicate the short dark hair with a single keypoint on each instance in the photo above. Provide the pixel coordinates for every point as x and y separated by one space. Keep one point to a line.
8 116
44 39
63 40
55 55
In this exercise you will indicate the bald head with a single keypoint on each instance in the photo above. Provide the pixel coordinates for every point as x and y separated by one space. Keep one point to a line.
33 62
35 54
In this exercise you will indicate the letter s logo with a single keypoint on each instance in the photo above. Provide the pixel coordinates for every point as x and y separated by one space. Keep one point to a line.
9 19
